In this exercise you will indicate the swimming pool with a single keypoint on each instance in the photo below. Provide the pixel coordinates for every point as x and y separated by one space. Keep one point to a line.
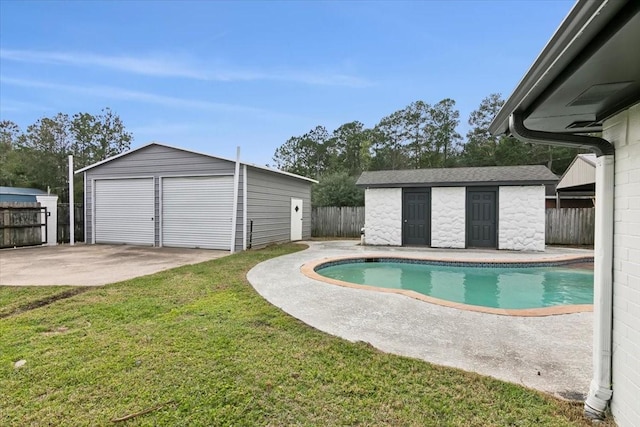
501 286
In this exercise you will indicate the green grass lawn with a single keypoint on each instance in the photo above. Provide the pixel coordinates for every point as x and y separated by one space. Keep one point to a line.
14 299
197 345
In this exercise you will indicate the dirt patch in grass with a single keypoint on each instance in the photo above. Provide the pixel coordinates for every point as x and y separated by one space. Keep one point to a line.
16 300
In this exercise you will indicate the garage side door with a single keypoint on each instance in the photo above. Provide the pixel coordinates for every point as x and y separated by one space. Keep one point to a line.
124 211
196 212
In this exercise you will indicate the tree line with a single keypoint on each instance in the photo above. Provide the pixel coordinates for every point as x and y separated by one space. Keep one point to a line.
421 135
38 156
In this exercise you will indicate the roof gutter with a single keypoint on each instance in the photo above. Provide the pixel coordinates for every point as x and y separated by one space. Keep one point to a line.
598 145
575 32
600 390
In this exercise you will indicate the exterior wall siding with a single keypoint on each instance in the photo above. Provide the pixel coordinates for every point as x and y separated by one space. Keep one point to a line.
448 225
623 131
521 218
157 161
383 216
581 172
240 211
269 206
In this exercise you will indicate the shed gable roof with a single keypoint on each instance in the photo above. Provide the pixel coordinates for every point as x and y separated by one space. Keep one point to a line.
126 153
581 172
451 177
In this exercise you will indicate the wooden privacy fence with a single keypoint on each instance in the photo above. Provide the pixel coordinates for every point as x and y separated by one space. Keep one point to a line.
570 226
22 224
63 222
332 221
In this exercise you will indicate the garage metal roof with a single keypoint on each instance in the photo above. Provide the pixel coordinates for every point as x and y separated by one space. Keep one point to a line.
453 177
292 175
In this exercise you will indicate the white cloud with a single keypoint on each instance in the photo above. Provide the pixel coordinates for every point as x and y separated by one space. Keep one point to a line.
181 68
111 92
13 106
147 66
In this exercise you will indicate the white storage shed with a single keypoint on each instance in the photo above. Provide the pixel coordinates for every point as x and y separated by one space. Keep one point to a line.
499 207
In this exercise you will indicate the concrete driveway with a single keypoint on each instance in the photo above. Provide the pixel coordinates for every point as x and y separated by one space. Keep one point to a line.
92 265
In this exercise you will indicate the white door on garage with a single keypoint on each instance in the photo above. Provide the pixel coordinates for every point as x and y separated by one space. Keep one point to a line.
196 212
124 211
296 219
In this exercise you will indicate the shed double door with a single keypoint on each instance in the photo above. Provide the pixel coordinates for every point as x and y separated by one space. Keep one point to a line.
482 218
416 216
197 212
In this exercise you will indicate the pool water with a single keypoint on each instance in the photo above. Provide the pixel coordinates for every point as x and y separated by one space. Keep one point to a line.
497 287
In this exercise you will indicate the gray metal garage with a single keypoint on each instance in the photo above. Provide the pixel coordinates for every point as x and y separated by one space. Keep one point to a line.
158 195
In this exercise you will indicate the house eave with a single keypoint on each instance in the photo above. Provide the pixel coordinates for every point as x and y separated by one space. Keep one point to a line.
585 32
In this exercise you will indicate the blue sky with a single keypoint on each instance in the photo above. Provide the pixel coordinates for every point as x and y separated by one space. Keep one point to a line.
210 76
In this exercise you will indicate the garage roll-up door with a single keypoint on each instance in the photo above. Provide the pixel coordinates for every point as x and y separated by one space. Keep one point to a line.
196 212
124 211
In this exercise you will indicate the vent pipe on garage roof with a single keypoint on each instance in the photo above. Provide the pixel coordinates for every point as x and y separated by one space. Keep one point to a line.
600 389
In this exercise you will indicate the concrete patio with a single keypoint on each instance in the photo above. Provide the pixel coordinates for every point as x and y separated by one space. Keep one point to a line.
551 354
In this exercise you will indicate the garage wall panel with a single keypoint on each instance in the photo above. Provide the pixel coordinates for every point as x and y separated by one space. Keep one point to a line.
269 203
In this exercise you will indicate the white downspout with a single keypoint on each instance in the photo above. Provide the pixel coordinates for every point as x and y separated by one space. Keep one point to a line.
600 389
72 219
234 214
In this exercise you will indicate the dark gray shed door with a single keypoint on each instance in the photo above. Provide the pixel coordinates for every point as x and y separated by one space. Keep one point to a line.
481 218
415 216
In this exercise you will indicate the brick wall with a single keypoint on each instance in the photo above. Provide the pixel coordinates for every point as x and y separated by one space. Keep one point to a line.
623 131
